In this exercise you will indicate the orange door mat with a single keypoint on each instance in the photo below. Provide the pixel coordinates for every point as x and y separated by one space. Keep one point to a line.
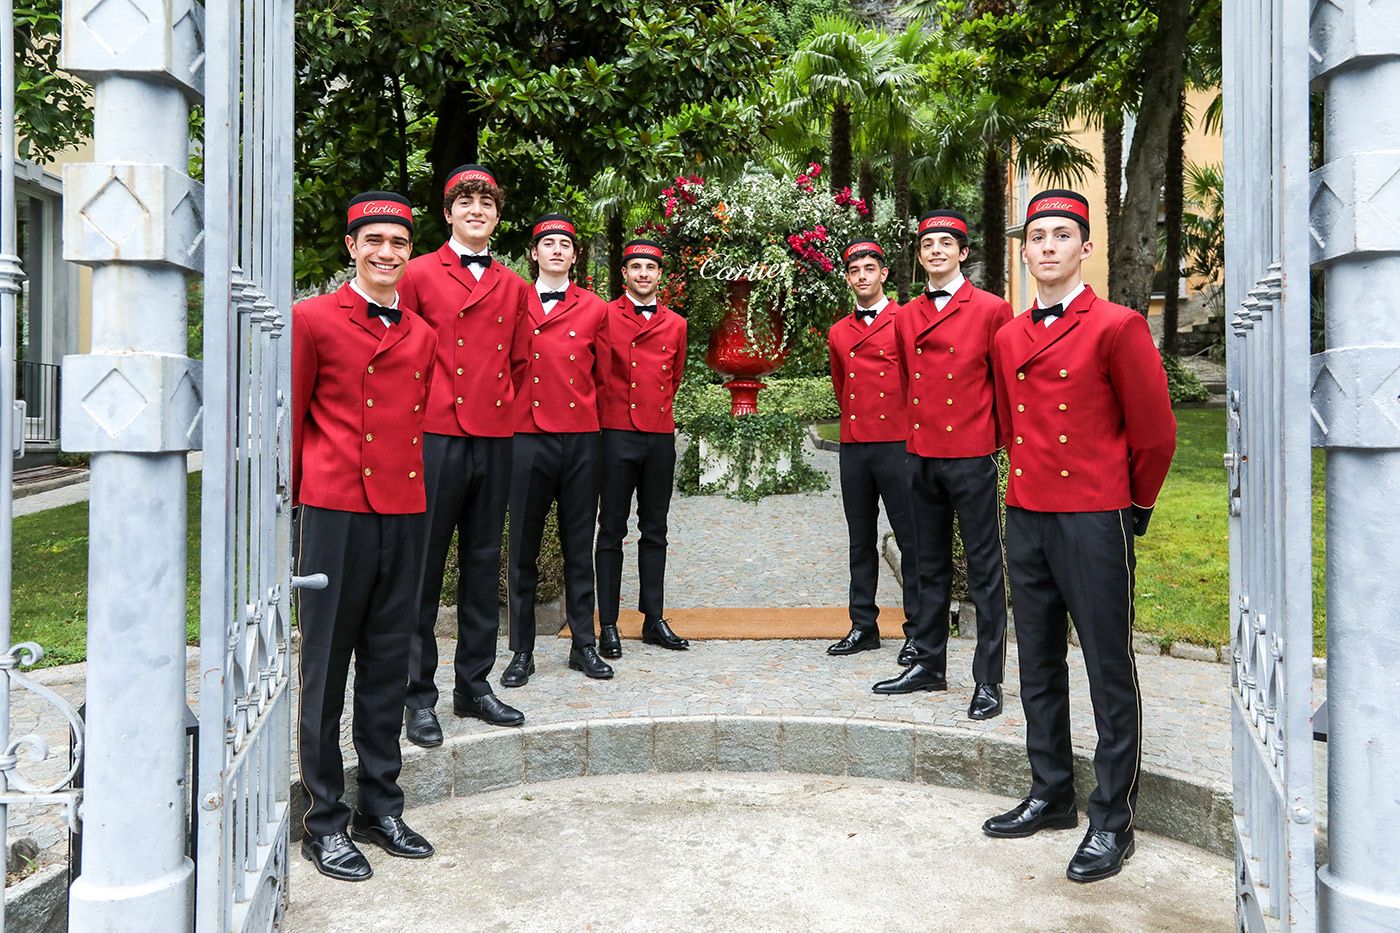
758 624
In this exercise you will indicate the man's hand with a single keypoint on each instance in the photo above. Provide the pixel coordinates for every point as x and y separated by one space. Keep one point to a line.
1141 517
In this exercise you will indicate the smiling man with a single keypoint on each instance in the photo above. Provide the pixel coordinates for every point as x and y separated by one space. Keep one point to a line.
945 354
1082 395
361 371
557 373
864 360
643 355
477 307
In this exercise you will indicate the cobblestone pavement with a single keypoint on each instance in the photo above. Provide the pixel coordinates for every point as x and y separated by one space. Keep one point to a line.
782 551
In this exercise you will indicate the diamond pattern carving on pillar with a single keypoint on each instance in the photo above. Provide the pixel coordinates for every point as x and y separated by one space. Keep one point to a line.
188 42
114 403
114 212
116 24
1324 213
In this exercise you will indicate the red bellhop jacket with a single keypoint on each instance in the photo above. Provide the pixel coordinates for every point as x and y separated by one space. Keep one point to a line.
558 369
478 325
358 394
1085 409
642 362
946 360
865 375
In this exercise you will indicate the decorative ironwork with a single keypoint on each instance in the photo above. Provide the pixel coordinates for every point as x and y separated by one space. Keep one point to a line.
245 705
1269 459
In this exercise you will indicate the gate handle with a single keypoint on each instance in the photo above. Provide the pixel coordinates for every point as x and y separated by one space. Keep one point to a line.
315 581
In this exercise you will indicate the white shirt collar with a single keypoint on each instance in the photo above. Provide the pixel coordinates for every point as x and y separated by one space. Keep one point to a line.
476 270
1065 302
541 288
877 307
636 303
951 288
355 285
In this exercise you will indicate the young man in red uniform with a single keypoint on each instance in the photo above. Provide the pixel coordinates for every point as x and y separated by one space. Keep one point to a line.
361 368
874 466
642 355
476 305
556 373
945 353
1083 399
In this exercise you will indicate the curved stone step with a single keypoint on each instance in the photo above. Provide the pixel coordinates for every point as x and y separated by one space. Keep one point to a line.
1169 804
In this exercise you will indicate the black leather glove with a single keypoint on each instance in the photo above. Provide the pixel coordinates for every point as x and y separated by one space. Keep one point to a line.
1141 517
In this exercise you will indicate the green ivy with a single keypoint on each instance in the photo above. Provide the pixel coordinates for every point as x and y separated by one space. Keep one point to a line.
753 444
805 399
1182 383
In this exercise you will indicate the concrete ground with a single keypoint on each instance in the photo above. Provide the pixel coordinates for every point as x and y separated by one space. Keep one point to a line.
751 852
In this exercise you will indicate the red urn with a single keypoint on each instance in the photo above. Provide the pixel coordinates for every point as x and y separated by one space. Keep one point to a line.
731 354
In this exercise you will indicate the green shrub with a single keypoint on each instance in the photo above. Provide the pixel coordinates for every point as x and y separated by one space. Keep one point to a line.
551 565
1182 383
803 398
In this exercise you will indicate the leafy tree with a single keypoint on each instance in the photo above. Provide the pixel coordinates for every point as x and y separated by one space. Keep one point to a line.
398 93
52 108
1034 58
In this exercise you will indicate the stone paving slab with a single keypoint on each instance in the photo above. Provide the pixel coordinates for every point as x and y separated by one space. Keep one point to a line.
781 551
744 853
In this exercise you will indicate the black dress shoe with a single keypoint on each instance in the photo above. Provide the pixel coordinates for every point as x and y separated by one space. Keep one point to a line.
659 633
586 659
335 856
1101 855
906 654
391 834
518 671
488 709
913 678
857 639
421 727
609 642
986 702
1030 816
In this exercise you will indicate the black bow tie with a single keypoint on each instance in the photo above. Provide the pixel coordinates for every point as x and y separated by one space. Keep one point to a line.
393 314
1040 314
933 293
552 296
644 309
484 260
867 315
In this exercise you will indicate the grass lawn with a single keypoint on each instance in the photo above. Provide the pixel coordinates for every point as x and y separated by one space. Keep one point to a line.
50 579
1183 576
829 431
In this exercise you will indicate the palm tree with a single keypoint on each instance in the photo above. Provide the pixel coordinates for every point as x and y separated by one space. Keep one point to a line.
982 134
828 78
898 93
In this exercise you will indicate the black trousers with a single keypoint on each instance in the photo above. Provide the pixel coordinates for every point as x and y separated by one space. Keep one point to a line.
967 487
1078 564
870 474
548 468
644 464
468 484
374 564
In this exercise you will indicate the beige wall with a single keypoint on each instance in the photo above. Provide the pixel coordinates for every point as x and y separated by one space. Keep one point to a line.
1201 147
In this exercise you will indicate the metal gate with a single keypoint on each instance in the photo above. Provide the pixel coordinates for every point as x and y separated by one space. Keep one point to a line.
245 702
1269 459
15 788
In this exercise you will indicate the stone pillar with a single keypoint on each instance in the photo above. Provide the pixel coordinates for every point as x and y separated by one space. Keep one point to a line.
133 215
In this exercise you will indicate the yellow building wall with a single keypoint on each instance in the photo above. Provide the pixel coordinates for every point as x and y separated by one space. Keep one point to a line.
1201 147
